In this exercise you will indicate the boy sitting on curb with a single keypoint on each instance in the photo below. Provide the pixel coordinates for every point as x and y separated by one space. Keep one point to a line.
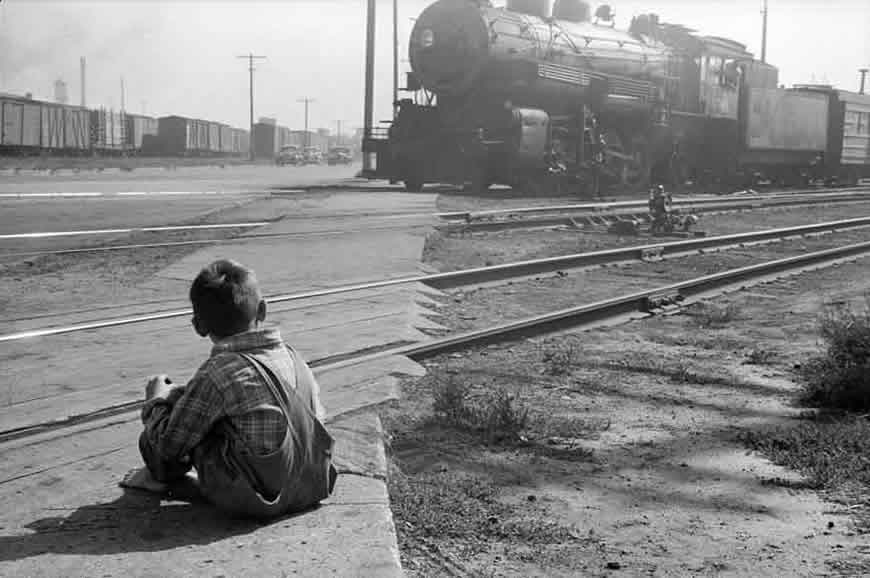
249 421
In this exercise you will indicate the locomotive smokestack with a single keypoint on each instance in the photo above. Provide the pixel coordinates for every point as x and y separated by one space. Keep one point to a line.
863 72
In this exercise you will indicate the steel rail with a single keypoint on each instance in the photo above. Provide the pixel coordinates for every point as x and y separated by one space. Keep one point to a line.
641 303
492 273
164 229
218 241
781 199
593 218
484 225
743 200
644 302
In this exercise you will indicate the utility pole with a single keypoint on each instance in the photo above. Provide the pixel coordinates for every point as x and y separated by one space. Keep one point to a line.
863 72
307 101
764 33
395 57
370 83
3 27
83 65
338 134
122 94
250 58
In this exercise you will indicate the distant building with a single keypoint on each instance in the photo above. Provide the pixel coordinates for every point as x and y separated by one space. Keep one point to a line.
60 93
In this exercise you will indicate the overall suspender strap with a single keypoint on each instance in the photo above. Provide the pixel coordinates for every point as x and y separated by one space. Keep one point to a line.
321 439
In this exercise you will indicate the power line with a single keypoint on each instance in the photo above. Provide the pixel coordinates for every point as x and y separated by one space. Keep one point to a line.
307 101
250 58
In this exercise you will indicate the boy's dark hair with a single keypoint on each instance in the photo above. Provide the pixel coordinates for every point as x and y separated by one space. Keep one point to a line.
225 297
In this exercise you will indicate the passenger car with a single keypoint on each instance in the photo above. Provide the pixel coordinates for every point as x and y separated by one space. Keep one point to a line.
289 155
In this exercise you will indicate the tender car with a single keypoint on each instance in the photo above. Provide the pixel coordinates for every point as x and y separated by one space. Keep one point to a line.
339 156
313 156
289 155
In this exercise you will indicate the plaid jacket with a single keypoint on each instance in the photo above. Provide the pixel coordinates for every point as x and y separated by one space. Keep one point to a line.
227 386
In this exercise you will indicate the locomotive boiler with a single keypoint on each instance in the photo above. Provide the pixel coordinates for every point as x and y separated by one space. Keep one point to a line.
520 93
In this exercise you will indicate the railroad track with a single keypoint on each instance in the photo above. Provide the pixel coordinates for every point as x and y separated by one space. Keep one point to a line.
635 304
635 203
607 213
603 213
491 274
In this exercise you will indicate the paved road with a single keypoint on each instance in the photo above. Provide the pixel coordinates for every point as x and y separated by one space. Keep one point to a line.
150 198
245 178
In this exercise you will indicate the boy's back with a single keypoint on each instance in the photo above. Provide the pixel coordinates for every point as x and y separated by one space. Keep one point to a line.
248 421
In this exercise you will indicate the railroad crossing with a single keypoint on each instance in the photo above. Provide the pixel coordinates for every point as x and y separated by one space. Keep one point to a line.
66 514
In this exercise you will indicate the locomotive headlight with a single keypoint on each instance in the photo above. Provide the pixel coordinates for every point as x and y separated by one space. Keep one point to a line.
427 38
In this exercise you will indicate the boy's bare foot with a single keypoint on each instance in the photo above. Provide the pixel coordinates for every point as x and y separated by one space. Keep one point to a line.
185 489
141 479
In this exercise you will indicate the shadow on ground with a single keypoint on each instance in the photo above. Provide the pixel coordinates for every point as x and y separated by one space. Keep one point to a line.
135 522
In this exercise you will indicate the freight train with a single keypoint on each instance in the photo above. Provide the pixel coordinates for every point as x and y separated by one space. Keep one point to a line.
536 93
29 127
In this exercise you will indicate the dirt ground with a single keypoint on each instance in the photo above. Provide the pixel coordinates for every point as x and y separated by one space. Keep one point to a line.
53 284
631 462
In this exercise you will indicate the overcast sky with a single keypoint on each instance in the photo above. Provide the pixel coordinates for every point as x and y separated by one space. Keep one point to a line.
179 57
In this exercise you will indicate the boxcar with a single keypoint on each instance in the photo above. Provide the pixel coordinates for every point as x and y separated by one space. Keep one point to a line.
138 128
52 124
197 136
241 141
265 140
77 136
20 125
855 144
108 131
226 139
173 135
214 138
29 126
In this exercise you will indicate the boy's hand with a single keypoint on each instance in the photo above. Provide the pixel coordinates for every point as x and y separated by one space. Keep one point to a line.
158 386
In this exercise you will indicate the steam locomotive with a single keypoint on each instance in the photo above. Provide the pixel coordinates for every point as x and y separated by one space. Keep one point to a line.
528 96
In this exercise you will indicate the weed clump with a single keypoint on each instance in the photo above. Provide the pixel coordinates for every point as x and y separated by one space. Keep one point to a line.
759 357
829 450
558 360
499 415
714 315
840 377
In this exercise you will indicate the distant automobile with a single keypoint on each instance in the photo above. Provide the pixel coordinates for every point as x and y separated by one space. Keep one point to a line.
289 155
339 156
313 156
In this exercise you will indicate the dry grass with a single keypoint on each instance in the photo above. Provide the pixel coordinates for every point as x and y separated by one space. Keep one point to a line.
708 315
840 377
499 415
558 359
760 356
831 450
